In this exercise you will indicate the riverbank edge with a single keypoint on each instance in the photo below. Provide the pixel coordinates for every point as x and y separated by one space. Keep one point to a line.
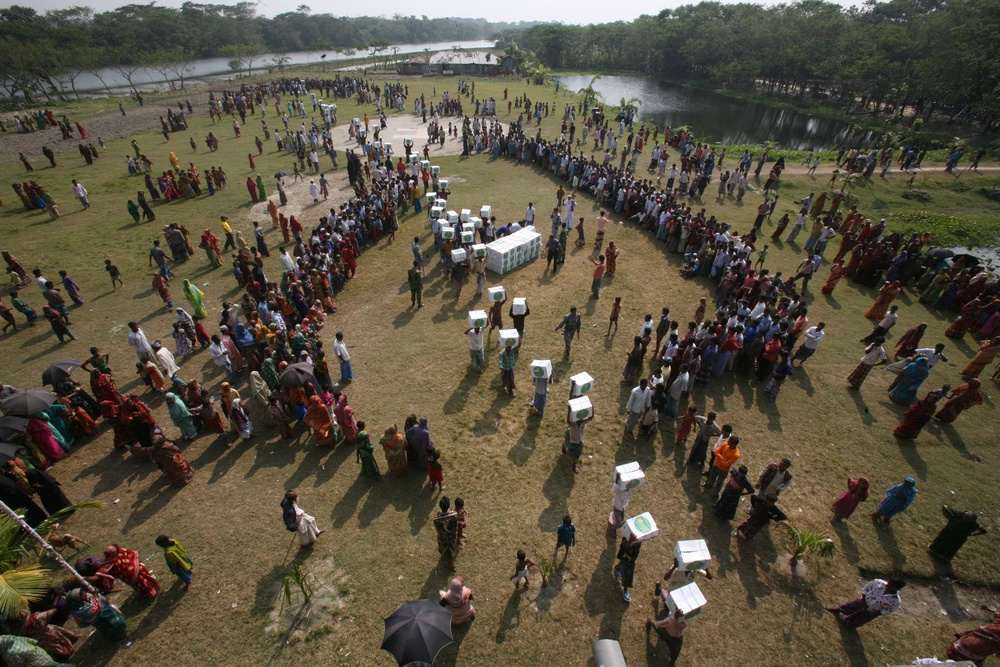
812 108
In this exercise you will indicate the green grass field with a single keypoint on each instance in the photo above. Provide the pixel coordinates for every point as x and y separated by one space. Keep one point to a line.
380 546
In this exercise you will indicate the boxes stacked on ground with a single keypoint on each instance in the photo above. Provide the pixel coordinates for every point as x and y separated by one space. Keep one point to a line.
510 252
631 474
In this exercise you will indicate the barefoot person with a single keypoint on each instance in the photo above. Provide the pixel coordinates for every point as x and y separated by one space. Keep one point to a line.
177 559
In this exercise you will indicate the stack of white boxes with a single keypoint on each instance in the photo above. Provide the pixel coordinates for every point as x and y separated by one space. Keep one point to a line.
510 252
631 474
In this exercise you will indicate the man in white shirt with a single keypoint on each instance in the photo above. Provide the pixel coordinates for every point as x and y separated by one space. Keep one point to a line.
933 355
81 193
475 336
529 215
878 598
810 341
340 349
165 360
220 357
137 339
638 402
887 322
287 261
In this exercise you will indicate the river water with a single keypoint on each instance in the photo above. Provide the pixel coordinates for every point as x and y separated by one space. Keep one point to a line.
200 69
720 119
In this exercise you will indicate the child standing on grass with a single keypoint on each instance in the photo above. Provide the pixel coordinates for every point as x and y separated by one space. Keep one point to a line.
616 311
761 258
463 515
177 559
580 241
435 473
687 421
116 276
565 536
521 569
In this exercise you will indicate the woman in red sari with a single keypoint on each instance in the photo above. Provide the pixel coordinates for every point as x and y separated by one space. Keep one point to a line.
968 316
317 418
124 564
918 414
104 388
837 271
120 422
611 258
169 459
56 640
345 418
202 404
857 492
908 343
961 398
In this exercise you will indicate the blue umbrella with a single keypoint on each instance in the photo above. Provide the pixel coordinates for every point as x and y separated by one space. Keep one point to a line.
417 631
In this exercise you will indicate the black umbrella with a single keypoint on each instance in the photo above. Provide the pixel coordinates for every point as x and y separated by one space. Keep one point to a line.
296 375
281 174
7 452
26 403
12 427
59 371
941 253
417 631
970 260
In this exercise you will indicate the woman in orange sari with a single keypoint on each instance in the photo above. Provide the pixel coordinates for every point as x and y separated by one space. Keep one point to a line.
124 564
394 446
317 418
837 271
968 316
887 294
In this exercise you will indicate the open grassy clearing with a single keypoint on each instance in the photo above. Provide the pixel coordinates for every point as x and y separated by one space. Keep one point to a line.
506 465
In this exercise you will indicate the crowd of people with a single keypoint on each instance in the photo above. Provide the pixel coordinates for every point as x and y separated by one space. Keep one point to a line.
270 339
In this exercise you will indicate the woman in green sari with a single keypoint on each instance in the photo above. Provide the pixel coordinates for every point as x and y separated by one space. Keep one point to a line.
261 193
93 609
269 371
366 454
197 299
133 210
181 416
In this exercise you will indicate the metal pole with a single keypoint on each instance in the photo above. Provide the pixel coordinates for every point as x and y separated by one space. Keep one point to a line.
48 548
